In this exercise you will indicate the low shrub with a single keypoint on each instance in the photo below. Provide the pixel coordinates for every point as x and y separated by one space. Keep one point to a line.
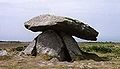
5 57
100 49
103 47
116 51
19 48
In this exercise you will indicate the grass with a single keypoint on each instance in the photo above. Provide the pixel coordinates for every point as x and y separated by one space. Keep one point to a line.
106 47
5 58
103 49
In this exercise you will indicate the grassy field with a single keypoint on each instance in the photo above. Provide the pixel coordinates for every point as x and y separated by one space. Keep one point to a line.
108 50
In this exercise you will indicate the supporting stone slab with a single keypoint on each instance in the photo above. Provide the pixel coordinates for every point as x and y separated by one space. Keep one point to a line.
57 45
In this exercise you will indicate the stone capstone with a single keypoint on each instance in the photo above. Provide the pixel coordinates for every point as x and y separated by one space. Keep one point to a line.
67 25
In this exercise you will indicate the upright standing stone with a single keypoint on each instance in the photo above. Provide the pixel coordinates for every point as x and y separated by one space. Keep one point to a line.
54 44
72 46
49 43
30 48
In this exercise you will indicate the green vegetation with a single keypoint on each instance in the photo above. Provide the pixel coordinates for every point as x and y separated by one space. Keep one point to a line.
102 49
19 48
5 58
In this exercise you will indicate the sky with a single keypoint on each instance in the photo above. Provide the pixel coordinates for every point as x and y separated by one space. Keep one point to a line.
102 15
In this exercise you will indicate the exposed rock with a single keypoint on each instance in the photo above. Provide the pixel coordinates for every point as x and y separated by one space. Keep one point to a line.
53 60
72 46
56 39
54 44
57 23
49 43
30 48
46 43
3 52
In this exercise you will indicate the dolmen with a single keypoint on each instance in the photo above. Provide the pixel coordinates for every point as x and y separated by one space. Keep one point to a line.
56 38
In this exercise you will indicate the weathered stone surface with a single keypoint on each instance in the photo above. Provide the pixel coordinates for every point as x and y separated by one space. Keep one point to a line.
49 43
72 46
30 48
3 52
57 23
56 45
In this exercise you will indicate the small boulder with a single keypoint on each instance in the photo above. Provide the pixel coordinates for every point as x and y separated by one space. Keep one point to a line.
3 53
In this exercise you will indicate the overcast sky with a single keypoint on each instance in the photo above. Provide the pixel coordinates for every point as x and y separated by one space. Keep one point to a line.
103 15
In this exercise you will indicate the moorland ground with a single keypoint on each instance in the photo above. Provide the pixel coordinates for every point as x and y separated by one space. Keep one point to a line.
110 51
